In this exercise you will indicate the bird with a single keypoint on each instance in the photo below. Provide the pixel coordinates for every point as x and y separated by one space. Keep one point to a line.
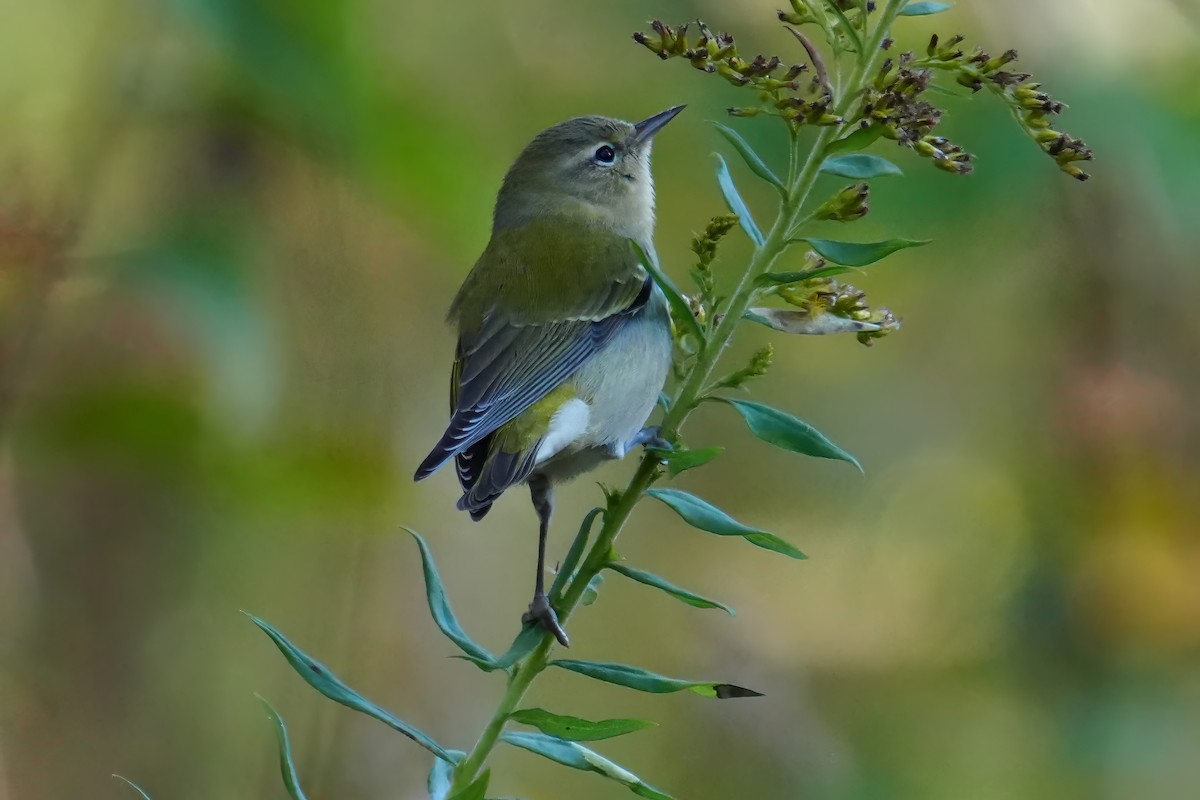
564 339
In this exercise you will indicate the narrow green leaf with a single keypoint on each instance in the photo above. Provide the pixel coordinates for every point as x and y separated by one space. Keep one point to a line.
134 786
567 568
441 776
576 729
753 160
735 202
700 514
706 517
650 579
678 461
645 681
859 166
783 430
576 756
287 767
858 254
478 788
443 614
922 9
857 140
768 279
675 299
529 638
319 677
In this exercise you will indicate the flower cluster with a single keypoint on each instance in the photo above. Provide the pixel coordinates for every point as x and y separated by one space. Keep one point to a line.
1032 107
704 245
779 85
895 102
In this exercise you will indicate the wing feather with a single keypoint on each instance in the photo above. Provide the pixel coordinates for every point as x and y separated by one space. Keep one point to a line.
506 367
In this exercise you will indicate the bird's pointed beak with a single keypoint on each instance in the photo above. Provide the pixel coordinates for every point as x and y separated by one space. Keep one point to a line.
645 130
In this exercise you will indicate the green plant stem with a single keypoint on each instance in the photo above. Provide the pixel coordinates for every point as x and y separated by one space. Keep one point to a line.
519 679
685 401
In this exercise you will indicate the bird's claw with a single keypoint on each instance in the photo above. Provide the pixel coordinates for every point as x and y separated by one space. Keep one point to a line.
651 438
542 613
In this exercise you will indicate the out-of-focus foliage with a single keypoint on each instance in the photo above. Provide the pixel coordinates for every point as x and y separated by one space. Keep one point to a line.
228 231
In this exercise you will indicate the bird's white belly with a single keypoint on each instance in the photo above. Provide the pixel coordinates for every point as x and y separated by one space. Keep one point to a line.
567 426
615 394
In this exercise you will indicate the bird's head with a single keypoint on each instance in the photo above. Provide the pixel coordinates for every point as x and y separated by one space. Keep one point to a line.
596 166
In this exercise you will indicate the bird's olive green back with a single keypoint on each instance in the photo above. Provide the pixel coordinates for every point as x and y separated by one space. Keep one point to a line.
554 269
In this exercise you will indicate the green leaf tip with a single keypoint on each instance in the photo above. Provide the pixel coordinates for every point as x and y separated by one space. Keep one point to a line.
921 9
443 614
318 676
650 579
287 765
735 202
575 728
645 681
576 756
133 786
859 166
858 254
787 432
753 159
707 517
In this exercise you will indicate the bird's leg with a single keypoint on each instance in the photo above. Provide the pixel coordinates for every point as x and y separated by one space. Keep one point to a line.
540 611
650 436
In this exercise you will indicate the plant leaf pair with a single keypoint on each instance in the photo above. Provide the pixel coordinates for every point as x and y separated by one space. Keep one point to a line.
319 677
287 765
650 579
920 9
707 517
443 614
858 254
736 204
577 729
576 756
645 681
859 166
783 430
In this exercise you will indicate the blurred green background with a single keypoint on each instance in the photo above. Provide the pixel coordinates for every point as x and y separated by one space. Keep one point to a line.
228 233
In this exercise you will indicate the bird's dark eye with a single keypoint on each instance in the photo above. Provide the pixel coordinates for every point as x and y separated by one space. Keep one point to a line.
605 155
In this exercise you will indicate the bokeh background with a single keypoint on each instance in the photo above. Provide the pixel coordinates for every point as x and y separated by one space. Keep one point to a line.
228 232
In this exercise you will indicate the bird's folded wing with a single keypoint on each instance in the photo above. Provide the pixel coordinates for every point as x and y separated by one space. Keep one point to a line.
506 366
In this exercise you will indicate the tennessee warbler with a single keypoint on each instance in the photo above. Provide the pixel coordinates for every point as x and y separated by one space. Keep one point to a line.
564 340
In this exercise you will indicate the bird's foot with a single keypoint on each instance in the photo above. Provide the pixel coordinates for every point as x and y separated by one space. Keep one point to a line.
651 437
542 613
